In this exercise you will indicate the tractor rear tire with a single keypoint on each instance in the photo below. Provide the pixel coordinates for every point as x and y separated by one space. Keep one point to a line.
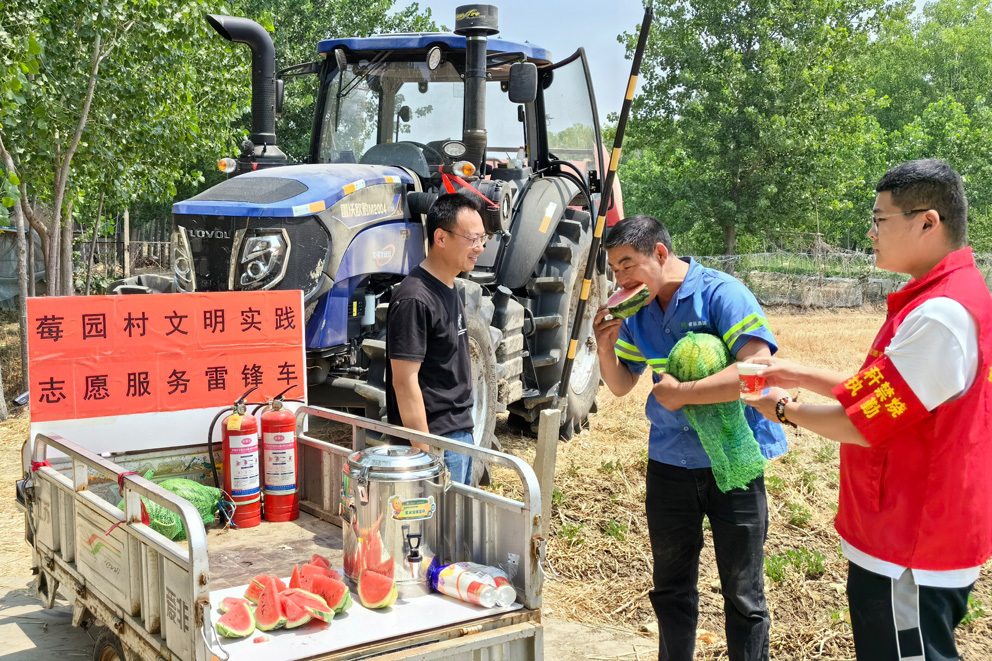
554 290
481 342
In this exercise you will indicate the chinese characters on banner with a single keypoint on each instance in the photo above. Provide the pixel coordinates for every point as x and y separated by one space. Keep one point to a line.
96 356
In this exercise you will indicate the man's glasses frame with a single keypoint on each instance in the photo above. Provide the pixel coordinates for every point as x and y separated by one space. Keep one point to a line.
874 220
474 240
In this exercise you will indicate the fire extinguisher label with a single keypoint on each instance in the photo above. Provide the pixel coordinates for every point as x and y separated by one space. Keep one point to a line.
244 465
279 462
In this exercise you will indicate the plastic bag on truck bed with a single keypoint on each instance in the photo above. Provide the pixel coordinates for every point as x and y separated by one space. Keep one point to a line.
164 521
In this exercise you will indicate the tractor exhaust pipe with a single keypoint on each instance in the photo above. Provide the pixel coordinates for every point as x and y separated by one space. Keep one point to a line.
475 23
263 80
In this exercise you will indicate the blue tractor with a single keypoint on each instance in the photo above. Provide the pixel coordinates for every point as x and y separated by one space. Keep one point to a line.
395 114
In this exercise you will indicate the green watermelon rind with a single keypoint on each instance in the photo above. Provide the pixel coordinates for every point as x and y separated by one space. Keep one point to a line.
363 585
629 306
227 603
305 616
312 603
696 356
222 626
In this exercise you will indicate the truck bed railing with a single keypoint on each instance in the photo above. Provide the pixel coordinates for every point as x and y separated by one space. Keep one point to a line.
506 532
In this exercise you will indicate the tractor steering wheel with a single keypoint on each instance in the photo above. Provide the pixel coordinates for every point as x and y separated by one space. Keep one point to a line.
433 156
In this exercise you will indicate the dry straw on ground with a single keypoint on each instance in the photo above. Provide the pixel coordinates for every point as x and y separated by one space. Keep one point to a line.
599 544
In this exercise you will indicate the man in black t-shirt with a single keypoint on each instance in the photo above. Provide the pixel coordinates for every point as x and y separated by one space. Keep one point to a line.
429 371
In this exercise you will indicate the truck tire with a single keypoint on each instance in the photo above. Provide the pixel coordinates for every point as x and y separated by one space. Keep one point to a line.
553 291
108 647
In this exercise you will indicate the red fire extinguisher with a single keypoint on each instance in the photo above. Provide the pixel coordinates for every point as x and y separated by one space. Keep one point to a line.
241 474
280 465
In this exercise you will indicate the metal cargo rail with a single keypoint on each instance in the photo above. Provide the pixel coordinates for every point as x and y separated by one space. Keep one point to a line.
153 592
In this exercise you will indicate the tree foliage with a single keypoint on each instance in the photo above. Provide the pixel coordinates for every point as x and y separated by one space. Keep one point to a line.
759 118
128 99
751 115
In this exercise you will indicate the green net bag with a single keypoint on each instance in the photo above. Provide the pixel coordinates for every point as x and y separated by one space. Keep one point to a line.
164 521
722 428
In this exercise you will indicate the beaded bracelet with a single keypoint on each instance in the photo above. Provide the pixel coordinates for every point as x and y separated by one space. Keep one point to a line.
780 411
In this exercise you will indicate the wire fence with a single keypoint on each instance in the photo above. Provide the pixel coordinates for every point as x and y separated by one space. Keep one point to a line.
818 278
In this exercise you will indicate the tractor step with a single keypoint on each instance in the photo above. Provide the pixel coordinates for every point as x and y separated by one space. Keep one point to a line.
550 321
547 285
547 359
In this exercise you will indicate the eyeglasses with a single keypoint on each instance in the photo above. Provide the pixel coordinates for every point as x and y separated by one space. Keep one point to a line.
476 241
874 220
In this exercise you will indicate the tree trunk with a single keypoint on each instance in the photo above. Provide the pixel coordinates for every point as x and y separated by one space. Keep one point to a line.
53 254
730 240
25 274
96 231
25 271
31 258
126 238
68 287
3 400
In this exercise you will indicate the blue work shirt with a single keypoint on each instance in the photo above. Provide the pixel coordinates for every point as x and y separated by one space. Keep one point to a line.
708 301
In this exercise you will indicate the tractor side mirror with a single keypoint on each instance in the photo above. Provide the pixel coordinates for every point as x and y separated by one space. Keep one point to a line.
404 113
280 94
523 82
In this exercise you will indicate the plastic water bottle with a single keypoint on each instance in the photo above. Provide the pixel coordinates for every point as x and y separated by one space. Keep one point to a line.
471 582
521 156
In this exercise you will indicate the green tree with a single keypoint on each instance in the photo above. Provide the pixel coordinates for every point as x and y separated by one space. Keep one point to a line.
752 117
115 103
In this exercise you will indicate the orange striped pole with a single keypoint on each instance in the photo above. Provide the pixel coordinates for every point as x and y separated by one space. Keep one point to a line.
604 202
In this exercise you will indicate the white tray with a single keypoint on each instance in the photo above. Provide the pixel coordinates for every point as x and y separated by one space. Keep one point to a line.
356 627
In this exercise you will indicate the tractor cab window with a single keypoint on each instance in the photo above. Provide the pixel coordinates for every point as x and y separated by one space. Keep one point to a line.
570 116
400 112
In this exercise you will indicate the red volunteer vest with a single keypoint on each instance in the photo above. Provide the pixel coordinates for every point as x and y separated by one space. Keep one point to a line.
921 495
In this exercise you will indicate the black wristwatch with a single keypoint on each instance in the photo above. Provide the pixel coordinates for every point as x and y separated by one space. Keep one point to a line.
780 411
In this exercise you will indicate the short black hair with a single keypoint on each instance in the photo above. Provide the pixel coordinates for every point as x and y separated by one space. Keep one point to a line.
930 184
443 214
639 232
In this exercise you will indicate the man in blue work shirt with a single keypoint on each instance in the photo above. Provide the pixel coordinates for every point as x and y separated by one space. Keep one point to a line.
681 489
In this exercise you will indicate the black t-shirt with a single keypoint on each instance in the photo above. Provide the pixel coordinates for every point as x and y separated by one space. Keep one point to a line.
427 325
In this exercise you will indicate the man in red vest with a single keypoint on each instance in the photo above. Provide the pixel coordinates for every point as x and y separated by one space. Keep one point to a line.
915 513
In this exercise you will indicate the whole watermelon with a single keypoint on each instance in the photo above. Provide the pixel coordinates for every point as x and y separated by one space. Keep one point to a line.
722 428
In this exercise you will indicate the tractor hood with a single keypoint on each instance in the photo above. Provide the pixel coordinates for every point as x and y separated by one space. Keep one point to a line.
289 227
288 192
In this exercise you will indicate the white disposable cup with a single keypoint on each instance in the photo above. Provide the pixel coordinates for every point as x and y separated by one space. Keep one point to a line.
751 382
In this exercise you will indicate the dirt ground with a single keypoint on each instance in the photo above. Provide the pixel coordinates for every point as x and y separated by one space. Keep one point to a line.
597 607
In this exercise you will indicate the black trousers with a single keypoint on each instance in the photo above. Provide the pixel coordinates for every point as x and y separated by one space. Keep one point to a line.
894 619
677 499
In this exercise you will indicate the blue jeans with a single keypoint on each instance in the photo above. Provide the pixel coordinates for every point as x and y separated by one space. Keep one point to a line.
459 465
677 500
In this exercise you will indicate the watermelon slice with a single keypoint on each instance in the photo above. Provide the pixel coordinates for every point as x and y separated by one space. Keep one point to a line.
334 592
294 580
237 622
307 574
311 603
376 590
318 559
268 613
227 603
626 302
384 568
257 584
371 550
295 614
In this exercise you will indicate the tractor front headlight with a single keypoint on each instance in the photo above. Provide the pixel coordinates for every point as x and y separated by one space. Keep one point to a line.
263 260
182 261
